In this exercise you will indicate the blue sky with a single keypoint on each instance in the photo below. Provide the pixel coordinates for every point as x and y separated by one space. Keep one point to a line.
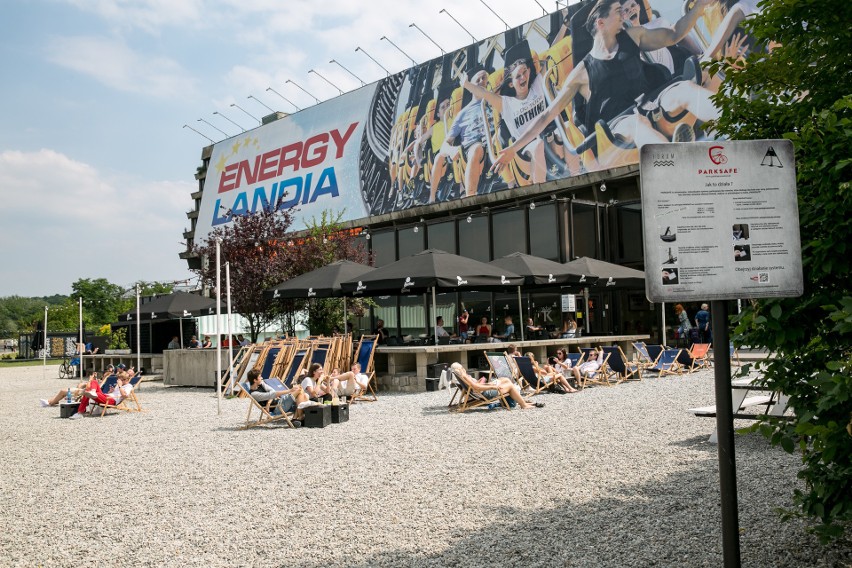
96 170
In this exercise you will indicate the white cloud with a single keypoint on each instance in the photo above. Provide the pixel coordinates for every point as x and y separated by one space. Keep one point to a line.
148 15
116 65
65 220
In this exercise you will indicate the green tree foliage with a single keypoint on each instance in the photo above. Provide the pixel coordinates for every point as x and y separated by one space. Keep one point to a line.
800 88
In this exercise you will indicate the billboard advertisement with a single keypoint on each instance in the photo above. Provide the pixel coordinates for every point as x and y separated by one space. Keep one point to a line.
576 91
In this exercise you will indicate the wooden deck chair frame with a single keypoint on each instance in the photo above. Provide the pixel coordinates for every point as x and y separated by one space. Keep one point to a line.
264 411
122 406
645 360
700 352
624 368
527 373
233 369
470 399
686 362
368 394
600 377
247 363
666 363
500 366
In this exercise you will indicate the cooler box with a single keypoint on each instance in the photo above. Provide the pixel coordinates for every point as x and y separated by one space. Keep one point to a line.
318 416
339 413
67 410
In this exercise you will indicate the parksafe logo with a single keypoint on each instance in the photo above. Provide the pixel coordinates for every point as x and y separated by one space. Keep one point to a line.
716 155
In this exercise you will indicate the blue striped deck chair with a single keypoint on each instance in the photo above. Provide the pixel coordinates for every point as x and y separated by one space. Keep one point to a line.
622 368
645 359
470 398
297 363
654 352
263 409
364 356
666 363
586 350
528 374
686 361
599 377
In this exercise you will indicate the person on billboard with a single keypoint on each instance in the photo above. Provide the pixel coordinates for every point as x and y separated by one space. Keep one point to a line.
633 16
468 130
520 101
611 79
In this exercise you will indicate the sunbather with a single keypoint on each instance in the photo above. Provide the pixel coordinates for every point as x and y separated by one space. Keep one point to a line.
76 393
499 385
94 393
350 381
318 385
589 367
287 400
548 374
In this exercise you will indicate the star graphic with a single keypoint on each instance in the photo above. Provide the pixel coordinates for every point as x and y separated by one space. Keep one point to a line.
235 148
220 165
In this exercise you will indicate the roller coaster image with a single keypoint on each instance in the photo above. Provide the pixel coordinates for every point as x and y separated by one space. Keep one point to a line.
408 157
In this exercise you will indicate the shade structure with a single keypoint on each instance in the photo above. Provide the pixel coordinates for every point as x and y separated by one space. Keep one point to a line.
320 283
176 305
538 271
431 269
607 273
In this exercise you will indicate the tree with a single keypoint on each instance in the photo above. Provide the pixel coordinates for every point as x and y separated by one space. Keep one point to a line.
256 247
799 88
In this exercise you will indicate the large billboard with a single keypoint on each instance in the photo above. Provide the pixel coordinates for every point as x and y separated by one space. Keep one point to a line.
572 92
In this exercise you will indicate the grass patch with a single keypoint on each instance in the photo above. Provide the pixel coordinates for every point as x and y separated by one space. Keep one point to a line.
27 362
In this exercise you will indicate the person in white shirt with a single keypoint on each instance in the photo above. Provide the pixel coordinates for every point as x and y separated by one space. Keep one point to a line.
114 397
439 328
587 368
351 381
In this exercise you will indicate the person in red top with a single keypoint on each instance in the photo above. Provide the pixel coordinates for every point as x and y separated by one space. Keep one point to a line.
94 392
225 341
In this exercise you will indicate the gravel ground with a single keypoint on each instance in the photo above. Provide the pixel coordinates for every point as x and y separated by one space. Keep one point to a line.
618 476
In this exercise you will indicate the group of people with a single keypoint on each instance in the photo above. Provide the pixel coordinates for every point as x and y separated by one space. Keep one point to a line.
206 343
89 391
701 332
313 386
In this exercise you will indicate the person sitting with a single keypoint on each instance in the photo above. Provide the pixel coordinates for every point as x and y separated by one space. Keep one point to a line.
569 329
508 332
242 341
285 401
484 328
381 332
194 343
588 368
318 386
500 385
549 375
206 344
561 363
174 343
76 394
532 329
114 397
439 328
350 381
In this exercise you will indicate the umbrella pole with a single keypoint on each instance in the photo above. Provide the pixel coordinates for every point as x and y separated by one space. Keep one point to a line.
521 323
44 346
139 333
80 345
230 332
586 309
663 314
181 332
218 326
345 330
435 314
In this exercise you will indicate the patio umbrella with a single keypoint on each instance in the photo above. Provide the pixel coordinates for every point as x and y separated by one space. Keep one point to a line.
608 275
537 271
177 305
320 283
432 270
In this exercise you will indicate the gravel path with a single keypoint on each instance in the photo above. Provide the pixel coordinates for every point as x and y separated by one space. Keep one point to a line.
607 477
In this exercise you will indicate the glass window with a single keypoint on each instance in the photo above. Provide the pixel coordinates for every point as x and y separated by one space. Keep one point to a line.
506 305
412 311
411 242
442 236
628 233
544 232
385 310
478 305
545 310
474 238
585 234
509 232
383 245
446 308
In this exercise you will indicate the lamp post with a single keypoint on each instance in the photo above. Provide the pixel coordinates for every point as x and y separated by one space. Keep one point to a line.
327 81
81 346
247 112
214 128
387 39
495 13
348 71
44 346
216 112
283 97
230 332
412 25
261 102
138 331
444 11
301 89
197 132
218 325
372 59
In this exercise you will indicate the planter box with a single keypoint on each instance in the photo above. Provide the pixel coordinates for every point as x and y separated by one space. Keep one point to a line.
117 352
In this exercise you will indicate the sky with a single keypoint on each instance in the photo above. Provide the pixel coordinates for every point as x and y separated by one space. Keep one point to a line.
96 168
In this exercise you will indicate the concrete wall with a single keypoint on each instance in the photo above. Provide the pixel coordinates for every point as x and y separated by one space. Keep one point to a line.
191 367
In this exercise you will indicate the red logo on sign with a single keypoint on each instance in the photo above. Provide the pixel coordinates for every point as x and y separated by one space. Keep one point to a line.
716 155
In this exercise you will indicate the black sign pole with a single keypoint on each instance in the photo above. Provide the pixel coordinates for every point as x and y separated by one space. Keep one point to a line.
725 430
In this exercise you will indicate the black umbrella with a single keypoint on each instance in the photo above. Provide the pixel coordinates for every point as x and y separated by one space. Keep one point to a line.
607 273
320 283
539 271
428 270
177 305
431 270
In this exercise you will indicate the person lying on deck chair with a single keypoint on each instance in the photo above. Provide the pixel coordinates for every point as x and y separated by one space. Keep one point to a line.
500 385
318 385
76 393
550 375
287 400
350 381
113 397
590 367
